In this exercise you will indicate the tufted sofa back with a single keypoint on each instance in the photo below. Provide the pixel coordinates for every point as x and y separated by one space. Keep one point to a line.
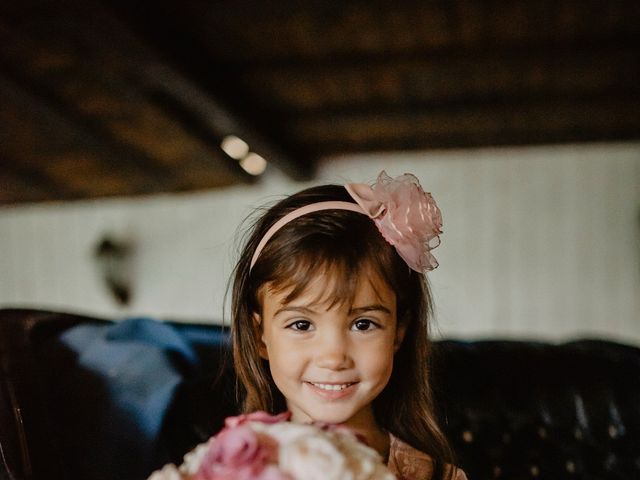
77 402
525 410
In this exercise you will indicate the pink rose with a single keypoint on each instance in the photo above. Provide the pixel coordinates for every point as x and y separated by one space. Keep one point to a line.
259 416
238 454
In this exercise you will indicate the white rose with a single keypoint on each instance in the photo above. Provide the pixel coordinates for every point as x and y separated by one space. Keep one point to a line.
365 462
308 453
314 457
284 432
168 472
193 459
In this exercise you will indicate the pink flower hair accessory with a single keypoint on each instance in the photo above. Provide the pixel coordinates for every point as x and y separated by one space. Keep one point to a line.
406 216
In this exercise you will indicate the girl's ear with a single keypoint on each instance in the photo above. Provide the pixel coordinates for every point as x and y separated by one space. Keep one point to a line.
400 331
258 332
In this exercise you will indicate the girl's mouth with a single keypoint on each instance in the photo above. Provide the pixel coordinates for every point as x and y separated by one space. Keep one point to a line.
331 386
332 391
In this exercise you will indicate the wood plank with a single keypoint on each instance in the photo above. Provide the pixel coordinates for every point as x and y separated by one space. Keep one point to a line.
375 84
92 86
43 147
246 32
534 122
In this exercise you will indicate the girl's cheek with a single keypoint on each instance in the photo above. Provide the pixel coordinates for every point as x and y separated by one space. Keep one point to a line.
382 358
285 348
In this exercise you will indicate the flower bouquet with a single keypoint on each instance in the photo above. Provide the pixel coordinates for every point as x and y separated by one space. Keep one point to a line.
260 446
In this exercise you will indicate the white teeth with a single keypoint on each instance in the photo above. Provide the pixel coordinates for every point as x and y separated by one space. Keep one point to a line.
325 386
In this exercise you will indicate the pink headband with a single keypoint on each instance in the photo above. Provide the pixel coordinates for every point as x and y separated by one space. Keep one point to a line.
406 216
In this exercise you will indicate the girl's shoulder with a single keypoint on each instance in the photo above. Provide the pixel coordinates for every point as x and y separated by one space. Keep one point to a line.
408 463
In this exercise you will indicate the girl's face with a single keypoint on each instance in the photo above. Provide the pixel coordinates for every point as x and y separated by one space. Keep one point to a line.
331 361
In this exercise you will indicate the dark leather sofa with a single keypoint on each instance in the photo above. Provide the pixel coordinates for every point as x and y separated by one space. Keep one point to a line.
84 398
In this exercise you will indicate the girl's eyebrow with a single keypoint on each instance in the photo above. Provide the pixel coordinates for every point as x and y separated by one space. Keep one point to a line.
352 311
369 308
293 308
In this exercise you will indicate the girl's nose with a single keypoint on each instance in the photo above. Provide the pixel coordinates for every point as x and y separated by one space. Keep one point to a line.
332 352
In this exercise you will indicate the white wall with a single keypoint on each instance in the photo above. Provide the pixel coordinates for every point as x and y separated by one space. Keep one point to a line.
538 242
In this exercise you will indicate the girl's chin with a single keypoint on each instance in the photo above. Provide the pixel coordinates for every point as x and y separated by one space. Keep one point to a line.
333 418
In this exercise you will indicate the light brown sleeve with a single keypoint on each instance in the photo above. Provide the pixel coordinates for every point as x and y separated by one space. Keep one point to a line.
460 475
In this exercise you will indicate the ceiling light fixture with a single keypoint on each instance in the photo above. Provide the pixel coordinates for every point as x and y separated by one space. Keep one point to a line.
253 164
235 147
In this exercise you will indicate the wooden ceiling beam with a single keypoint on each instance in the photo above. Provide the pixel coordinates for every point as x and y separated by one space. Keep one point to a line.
268 32
19 184
470 102
424 82
104 87
354 59
194 91
532 122
48 149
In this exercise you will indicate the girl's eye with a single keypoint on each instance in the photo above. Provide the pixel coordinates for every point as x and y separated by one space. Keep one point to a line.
364 325
300 325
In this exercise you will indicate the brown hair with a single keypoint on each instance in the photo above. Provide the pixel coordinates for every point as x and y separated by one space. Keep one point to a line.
342 242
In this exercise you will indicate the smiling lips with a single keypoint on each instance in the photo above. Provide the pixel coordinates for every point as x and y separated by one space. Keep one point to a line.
332 391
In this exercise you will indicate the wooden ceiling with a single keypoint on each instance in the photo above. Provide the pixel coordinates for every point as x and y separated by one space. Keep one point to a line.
120 97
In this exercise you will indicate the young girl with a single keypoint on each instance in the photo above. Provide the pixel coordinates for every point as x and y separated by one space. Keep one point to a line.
330 317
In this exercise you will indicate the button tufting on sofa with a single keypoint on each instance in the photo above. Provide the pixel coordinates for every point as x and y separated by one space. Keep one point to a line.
565 408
